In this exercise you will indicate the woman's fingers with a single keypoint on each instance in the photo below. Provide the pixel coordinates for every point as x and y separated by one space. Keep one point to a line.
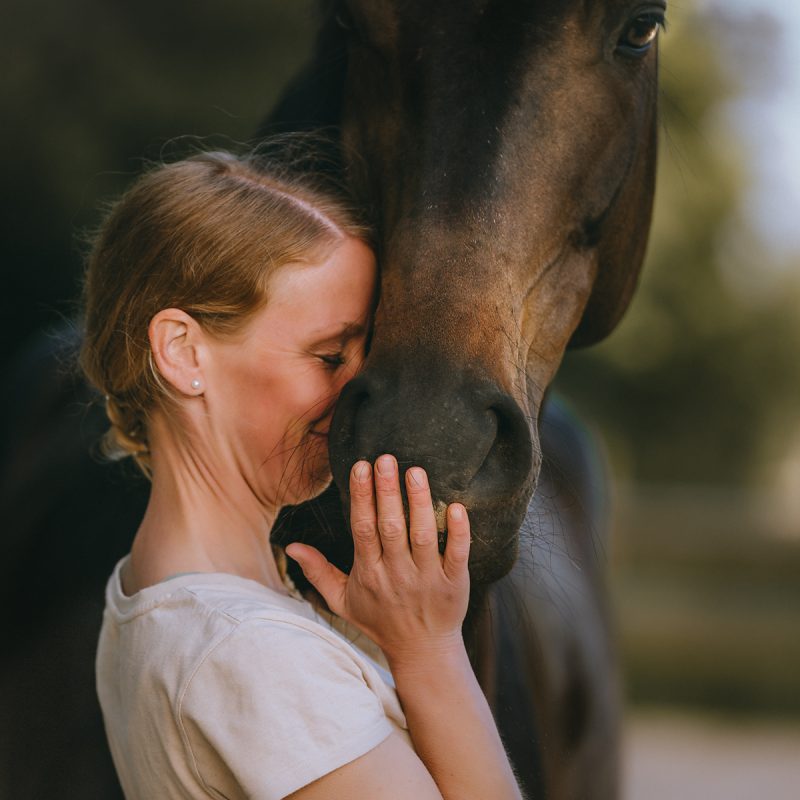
378 520
456 552
423 536
391 518
363 523
329 581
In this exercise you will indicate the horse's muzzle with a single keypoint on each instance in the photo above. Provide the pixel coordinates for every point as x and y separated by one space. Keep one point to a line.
473 440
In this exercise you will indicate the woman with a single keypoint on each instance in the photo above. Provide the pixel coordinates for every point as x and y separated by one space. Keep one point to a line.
226 306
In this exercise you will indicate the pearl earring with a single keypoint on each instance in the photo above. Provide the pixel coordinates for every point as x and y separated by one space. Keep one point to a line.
195 384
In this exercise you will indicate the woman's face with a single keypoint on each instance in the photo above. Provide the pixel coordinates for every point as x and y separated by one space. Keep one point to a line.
276 384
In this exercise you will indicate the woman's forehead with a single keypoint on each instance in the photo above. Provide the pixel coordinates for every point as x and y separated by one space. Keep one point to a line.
338 286
324 304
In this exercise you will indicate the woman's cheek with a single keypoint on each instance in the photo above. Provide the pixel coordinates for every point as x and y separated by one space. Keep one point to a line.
324 392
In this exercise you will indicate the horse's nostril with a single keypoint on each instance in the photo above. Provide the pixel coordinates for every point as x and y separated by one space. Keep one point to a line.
511 453
352 397
472 438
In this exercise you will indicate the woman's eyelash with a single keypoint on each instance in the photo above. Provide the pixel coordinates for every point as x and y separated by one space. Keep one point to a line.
332 360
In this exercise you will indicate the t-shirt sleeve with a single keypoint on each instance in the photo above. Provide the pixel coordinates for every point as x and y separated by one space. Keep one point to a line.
273 707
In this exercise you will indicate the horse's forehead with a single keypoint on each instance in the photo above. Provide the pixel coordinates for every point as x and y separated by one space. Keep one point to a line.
392 19
424 10
513 84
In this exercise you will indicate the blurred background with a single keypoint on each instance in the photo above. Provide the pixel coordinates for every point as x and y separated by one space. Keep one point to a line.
696 396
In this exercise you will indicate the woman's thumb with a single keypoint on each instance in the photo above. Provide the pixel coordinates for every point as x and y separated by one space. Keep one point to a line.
329 581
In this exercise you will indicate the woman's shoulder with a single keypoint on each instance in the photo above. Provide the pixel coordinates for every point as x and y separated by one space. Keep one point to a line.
193 621
211 607
281 702
276 639
253 682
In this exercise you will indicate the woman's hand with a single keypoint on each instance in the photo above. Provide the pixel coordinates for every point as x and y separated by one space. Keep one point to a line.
411 601
401 592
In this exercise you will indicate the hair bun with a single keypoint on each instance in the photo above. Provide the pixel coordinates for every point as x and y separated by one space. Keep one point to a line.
127 435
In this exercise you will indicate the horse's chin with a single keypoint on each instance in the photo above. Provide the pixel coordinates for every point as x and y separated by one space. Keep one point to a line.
494 565
494 543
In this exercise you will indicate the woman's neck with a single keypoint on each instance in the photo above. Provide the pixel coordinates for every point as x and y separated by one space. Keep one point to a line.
201 517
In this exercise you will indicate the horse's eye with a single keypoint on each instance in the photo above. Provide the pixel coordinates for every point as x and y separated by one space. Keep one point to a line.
640 34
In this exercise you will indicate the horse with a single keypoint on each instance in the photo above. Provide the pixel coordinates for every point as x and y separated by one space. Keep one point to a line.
507 150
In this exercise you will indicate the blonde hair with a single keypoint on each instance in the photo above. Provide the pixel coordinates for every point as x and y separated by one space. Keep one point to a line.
204 235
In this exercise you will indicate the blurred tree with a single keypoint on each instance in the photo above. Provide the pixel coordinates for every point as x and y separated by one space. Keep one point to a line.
689 388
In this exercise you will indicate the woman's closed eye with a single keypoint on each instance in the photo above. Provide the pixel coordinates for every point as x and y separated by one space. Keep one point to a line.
332 360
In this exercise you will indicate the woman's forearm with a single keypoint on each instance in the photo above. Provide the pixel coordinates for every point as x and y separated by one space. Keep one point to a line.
451 725
411 601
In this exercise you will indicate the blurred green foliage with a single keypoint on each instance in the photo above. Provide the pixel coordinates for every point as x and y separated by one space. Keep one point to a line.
697 394
708 601
701 377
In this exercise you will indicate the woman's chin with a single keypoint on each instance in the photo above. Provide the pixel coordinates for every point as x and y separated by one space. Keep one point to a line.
317 486
308 473
308 486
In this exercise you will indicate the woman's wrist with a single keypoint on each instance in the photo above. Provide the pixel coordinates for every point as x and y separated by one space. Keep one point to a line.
449 721
421 655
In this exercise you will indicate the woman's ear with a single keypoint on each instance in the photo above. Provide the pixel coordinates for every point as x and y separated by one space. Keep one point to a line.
176 341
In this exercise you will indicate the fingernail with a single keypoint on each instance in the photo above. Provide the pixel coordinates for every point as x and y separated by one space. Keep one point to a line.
417 476
385 465
456 512
361 471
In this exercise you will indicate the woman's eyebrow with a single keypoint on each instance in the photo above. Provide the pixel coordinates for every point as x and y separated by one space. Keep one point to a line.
348 331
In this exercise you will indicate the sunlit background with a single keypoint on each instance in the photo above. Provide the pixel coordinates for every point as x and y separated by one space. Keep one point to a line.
696 396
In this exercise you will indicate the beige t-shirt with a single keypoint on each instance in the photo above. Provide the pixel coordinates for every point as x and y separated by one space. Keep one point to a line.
212 685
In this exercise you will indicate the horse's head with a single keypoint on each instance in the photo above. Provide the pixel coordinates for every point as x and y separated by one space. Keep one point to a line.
509 148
